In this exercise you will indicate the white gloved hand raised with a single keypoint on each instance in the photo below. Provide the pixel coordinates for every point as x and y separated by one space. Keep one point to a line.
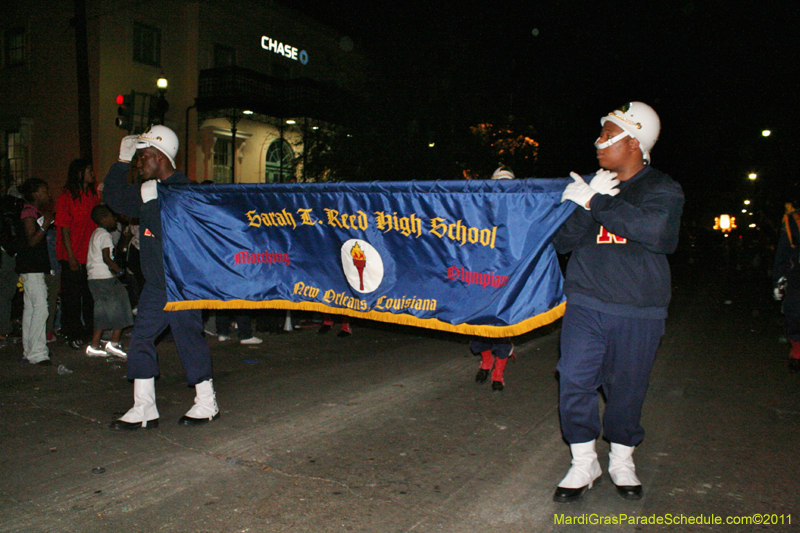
149 190
578 192
127 148
605 182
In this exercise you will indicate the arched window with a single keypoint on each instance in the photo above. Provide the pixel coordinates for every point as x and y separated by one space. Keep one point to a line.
279 165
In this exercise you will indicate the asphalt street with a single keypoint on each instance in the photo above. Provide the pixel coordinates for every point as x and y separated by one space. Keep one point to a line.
386 431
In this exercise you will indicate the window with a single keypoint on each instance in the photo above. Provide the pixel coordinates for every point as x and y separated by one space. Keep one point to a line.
14 47
147 45
224 56
16 158
279 166
222 161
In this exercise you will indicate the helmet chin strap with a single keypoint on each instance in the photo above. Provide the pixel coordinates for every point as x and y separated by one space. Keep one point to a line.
611 141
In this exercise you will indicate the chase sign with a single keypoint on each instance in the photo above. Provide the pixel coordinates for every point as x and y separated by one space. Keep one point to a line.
285 50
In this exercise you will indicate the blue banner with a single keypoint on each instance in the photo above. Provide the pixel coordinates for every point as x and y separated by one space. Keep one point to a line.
470 257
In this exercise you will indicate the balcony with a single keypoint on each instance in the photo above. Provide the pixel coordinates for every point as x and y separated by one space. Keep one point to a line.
240 88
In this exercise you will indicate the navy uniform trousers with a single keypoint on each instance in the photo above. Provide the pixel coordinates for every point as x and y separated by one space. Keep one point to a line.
791 304
501 348
187 331
612 352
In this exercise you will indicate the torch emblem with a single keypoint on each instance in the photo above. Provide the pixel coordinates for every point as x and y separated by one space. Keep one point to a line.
359 261
362 265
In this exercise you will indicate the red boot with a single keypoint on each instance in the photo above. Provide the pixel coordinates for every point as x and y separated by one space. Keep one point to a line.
345 331
497 374
487 360
794 357
327 324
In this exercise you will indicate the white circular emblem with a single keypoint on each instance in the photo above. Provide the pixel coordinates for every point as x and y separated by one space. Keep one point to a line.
362 265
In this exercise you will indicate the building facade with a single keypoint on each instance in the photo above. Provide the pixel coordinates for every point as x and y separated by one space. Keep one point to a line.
250 85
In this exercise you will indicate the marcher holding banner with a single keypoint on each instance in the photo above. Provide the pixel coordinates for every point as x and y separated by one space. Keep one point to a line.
494 353
618 289
786 278
156 159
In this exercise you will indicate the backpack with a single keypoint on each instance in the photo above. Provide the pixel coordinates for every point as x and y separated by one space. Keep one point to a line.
11 227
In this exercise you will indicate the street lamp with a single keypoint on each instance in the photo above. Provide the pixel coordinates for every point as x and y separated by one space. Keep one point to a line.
752 176
766 133
161 104
725 223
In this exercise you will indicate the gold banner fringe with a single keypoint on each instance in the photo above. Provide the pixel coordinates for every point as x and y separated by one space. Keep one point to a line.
406 320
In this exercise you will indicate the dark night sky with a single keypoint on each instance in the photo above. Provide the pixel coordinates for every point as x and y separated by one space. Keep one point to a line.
716 74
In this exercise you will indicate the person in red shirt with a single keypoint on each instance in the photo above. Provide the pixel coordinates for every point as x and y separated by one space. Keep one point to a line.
75 226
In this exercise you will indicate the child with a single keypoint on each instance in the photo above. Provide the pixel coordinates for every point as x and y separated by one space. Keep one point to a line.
112 308
33 262
494 353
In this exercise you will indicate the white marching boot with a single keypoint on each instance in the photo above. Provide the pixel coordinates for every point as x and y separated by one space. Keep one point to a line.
584 473
144 413
623 472
205 407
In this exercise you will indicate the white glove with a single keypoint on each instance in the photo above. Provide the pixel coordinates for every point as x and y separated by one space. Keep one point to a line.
578 192
127 148
605 182
149 190
780 289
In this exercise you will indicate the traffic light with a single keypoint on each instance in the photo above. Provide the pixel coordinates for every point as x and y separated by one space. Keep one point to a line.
125 111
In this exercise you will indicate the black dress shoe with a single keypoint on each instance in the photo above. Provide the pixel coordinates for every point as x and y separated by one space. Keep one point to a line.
482 375
564 495
498 385
187 421
45 362
794 365
119 425
323 330
344 333
630 492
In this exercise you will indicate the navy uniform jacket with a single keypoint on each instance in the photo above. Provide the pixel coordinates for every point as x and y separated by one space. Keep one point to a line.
618 264
787 263
787 256
126 199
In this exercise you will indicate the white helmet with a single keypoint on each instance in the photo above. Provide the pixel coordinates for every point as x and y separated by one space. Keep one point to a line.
161 138
638 120
503 173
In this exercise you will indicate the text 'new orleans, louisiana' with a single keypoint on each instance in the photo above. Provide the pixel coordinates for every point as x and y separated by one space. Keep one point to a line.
383 303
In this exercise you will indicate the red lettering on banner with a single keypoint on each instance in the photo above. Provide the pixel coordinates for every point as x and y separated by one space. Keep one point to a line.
482 279
605 237
245 257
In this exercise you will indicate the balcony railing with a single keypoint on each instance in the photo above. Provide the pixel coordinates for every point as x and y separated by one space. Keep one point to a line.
240 88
